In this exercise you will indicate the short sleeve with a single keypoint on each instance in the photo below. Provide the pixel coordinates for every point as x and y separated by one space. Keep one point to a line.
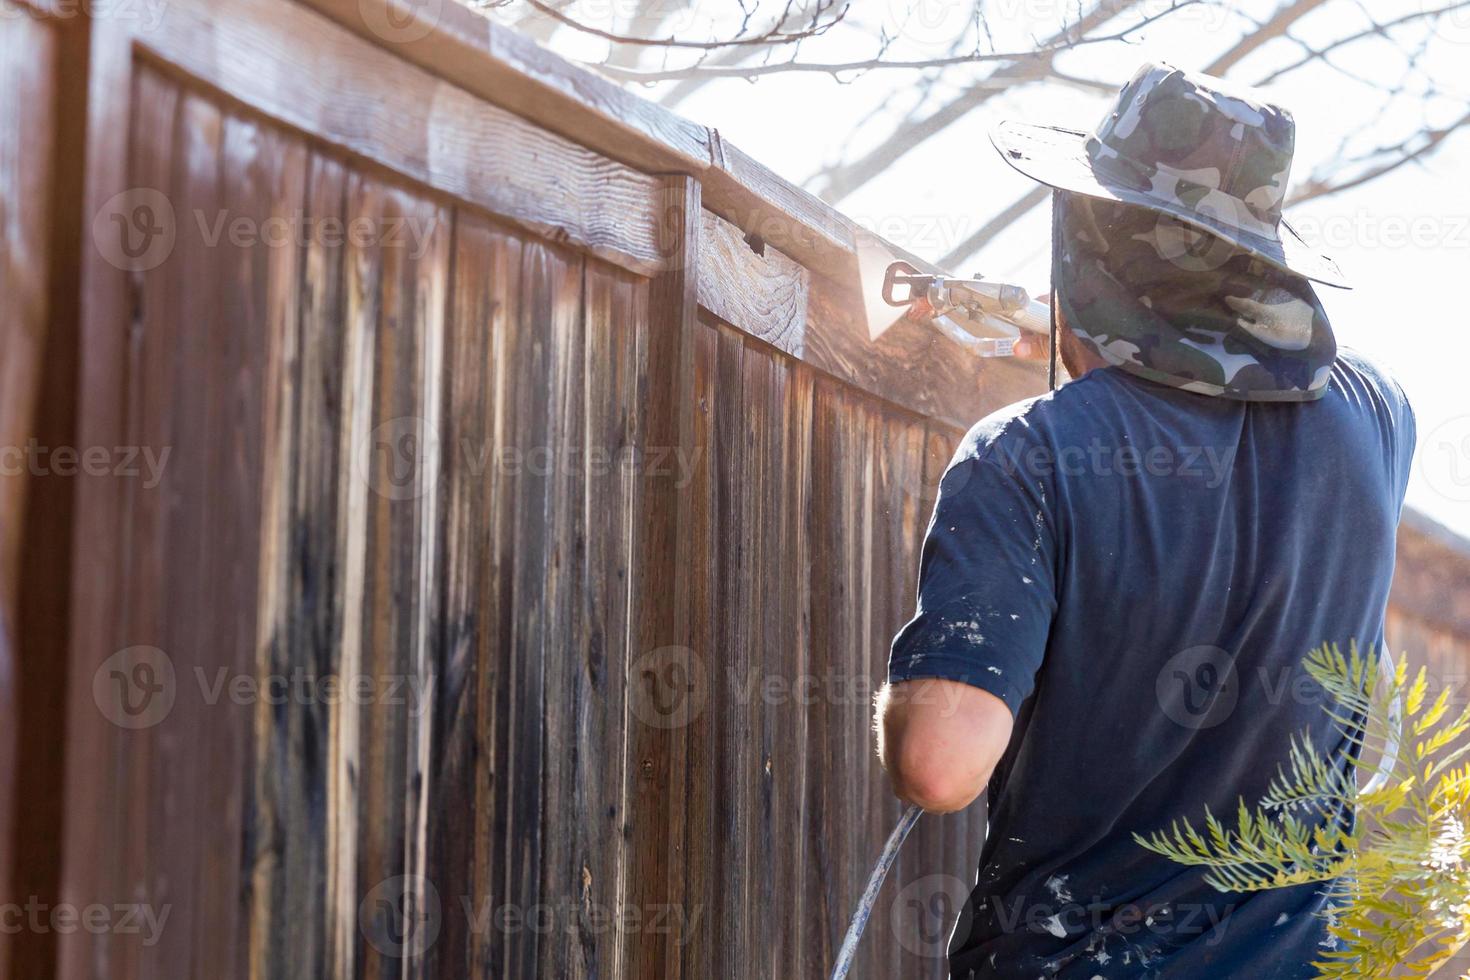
987 590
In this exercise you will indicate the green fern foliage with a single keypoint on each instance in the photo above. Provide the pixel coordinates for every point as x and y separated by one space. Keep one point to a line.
1399 875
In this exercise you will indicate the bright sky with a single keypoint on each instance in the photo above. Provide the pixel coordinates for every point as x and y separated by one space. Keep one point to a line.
1403 238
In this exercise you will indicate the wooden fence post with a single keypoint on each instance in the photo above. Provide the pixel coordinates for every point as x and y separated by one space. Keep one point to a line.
659 661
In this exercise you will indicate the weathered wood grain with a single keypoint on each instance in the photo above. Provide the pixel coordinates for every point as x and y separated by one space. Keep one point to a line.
361 302
465 616
196 512
565 529
732 909
616 314
398 462
299 620
830 797
746 192
506 68
251 343
655 763
491 265
567 188
148 419
368 102
763 293
431 308
898 526
550 288
791 649
702 956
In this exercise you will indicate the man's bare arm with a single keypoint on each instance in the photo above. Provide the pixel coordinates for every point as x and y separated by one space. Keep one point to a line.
940 740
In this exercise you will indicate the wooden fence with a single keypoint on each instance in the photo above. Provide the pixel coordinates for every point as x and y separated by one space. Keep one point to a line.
545 423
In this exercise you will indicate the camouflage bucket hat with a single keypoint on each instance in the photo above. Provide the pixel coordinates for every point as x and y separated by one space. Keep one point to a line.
1133 287
1185 145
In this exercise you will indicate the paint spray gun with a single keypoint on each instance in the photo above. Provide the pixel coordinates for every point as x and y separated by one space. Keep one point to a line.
986 317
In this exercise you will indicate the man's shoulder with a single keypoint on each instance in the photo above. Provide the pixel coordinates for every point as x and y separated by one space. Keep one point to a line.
1037 420
1356 371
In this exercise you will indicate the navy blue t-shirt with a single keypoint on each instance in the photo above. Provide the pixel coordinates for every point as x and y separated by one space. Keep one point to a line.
1138 572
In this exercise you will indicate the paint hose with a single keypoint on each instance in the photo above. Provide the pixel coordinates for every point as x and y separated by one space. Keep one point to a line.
870 893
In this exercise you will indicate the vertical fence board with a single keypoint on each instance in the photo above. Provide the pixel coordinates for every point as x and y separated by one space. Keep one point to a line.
464 449
362 265
898 524
615 315
194 278
563 455
401 469
730 657
493 260
252 341
655 762
430 237
824 825
550 288
756 527
300 620
703 955
145 535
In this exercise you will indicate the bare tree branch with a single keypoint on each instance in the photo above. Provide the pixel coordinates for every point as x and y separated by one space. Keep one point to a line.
646 20
727 58
1377 30
837 183
773 35
994 227
1427 142
880 64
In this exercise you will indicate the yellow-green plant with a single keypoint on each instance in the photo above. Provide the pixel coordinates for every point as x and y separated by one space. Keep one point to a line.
1399 876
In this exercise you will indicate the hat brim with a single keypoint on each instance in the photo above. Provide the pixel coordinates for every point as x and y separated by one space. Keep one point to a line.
1058 158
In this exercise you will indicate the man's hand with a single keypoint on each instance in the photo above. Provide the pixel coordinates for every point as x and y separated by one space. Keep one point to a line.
1030 346
940 740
